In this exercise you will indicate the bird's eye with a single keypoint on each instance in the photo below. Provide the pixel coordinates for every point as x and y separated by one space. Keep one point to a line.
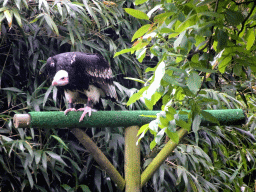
62 78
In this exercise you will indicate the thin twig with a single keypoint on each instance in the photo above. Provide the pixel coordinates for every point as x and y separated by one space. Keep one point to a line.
244 21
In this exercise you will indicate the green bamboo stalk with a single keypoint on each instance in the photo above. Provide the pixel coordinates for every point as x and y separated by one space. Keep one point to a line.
159 159
132 160
99 157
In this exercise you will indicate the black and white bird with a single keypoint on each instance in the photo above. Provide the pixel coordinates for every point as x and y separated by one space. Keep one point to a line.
85 78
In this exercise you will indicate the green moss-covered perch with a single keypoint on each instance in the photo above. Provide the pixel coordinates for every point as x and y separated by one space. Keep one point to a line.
57 119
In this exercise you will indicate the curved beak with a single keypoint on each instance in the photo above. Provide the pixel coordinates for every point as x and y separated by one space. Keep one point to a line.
54 83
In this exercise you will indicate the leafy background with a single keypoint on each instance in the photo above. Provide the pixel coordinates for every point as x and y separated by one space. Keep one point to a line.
166 55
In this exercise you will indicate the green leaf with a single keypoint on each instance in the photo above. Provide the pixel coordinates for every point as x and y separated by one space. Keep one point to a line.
140 54
51 23
135 79
60 141
209 117
178 41
194 82
211 14
167 30
237 69
56 157
141 31
234 17
75 165
152 144
71 34
144 128
28 147
136 13
183 124
38 155
222 66
8 16
195 58
250 39
91 12
205 2
136 96
159 136
67 187
14 89
222 40
17 17
44 161
172 135
30 179
148 103
46 95
138 2
159 73
85 188
123 51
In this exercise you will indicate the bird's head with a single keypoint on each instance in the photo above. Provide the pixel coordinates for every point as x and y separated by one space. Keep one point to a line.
60 78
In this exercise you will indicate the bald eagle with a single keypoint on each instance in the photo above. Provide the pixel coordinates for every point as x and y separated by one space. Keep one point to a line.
85 78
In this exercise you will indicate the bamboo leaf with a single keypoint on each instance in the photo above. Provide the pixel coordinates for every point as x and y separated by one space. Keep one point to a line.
30 179
8 16
38 155
90 11
85 188
17 17
135 79
51 23
56 157
46 95
13 89
60 141
44 161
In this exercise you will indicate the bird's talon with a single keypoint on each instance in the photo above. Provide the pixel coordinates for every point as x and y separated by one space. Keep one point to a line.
86 110
68 110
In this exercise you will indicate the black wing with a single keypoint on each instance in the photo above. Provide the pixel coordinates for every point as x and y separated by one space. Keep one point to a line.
97 71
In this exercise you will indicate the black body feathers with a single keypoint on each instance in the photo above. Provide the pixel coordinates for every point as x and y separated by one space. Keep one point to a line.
84 72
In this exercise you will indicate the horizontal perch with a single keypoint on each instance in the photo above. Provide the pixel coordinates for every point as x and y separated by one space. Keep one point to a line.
57 119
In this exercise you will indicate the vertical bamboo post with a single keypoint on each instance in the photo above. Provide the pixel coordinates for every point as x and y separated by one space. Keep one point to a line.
99 157
132 160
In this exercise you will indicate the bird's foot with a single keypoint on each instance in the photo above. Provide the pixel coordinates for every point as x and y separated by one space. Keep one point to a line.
68 110
86 110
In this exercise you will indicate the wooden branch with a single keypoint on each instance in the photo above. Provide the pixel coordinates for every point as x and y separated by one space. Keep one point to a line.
99 157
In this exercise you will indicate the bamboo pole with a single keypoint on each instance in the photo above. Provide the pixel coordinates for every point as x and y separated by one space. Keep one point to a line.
99 157
161 156
132 160
57 119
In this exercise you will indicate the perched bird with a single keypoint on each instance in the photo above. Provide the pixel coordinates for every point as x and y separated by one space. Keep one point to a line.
85 78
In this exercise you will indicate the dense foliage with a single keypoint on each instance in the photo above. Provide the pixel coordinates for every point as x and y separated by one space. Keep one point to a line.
185 54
